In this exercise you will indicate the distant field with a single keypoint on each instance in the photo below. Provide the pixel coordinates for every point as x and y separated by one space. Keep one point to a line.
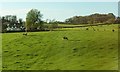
84 49
70 25
73 25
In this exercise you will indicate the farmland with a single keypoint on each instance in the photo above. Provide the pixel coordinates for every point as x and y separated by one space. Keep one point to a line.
84 49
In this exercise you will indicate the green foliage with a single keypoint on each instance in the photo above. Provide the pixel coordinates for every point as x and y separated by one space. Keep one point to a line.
4 26
92 19
10 20
33 19
52 26
85 49
117 21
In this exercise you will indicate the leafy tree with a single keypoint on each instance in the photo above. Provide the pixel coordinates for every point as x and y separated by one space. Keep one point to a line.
92 19
10 21
20 21
52 24
33 19
4 24
117 20
0 24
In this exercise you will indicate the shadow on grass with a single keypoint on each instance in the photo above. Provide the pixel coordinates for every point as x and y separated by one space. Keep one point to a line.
60 30
74 40
32 35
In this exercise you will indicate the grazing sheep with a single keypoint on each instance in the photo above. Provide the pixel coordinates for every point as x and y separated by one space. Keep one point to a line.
65 38
86 28
25 34
113 30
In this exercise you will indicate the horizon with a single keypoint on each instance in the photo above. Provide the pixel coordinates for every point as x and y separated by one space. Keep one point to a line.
58 10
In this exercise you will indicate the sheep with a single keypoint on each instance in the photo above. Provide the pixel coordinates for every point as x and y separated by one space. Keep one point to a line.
86 28
113 30
65 38
25 34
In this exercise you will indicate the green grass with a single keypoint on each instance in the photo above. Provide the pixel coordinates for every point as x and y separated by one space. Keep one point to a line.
0 51
70 25
85 49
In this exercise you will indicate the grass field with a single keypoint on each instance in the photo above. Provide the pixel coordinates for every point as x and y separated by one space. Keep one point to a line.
0 51
85 49
70 25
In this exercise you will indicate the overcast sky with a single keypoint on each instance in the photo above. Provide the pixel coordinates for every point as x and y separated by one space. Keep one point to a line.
58 10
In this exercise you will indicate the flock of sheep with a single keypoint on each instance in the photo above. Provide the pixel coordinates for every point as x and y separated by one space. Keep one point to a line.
66 38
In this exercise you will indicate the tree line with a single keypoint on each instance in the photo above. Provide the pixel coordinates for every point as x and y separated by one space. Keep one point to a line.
10 21
96 18
34 21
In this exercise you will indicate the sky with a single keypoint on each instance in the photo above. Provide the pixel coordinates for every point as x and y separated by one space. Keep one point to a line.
58 10
59 0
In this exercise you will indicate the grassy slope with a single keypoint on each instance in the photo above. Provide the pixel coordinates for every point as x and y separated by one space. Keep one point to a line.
0 51
91 50
69 25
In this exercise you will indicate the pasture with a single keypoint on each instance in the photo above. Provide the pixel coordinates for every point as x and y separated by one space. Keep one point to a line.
0 51
84 49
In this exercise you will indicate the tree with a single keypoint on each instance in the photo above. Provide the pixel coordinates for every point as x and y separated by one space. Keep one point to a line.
92 19
20 21
0 24
4 24
33 19
117 20
52 24
111 18
10 21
